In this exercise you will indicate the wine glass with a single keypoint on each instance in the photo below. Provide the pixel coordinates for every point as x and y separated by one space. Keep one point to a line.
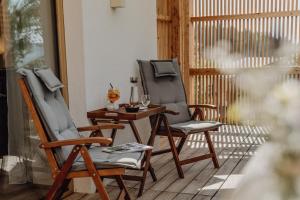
145 100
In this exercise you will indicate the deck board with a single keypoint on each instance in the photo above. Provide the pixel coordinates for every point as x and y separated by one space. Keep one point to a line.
234 146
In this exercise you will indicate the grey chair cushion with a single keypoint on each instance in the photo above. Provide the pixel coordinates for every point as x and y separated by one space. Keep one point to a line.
59 126
167 91
195 126
48 78
163 68
104 160
53 112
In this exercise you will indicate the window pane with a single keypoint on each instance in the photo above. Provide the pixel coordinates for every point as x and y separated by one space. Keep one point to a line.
27 33
27 39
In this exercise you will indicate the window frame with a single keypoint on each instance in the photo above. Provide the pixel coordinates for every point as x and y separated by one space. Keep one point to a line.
62 59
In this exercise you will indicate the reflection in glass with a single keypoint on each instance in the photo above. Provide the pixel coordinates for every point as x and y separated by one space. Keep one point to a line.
27 39
30 33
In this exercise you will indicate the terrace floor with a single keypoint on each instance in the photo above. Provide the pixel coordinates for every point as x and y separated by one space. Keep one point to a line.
234 144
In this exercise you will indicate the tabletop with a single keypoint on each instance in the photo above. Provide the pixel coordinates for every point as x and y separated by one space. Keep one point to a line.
121 113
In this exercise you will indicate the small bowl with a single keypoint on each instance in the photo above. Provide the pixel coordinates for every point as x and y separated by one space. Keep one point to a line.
132 109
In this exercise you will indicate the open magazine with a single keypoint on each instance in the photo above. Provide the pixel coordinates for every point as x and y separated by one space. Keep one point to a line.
127 148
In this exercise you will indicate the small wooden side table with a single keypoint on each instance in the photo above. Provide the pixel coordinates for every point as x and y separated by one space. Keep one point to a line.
123 117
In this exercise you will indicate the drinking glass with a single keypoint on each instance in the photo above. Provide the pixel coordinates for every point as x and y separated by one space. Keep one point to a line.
145 100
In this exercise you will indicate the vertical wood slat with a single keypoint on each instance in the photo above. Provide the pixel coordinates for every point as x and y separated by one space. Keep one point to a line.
165 28
62 48
254 38
173 34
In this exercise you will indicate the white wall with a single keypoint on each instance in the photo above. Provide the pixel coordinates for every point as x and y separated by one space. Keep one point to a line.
113 40
103 45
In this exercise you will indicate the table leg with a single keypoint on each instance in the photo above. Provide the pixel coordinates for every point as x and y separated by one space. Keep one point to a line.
113 136
96 133
158 121
139 140
135 132
93 121
151 141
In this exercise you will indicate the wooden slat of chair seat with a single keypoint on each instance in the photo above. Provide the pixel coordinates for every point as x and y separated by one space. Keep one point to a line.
62 175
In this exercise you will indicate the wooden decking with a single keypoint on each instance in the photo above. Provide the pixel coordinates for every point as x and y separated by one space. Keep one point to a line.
234 144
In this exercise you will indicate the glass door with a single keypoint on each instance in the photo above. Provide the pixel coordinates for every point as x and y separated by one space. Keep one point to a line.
28 38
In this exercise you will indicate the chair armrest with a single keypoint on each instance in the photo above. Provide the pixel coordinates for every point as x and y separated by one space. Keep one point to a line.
171 112
100 127
199 110
210 106
79 141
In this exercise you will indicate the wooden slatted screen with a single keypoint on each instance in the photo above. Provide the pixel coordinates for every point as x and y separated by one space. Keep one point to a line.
253 29
164 29
173 21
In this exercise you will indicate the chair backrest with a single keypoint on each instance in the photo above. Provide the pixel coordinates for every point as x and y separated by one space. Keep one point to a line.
161 79
44 89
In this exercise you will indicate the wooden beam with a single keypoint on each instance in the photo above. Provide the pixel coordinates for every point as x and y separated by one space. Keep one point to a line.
175 50
184 38
62 47
247 16
215 71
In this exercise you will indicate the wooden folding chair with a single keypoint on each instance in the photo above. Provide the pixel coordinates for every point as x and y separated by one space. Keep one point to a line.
162 80
69 155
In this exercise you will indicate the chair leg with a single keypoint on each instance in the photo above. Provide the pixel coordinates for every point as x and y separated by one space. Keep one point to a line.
173 148
60 178
146 160
121 195
181 143
113 136
212 150
151 143
94 174
63 189
122 188
145 172
152 173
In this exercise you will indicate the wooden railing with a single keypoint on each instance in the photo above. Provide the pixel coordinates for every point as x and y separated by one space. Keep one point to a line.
223 89
253 29
164 28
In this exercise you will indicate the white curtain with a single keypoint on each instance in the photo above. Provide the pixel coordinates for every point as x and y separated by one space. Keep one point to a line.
16 133
26 162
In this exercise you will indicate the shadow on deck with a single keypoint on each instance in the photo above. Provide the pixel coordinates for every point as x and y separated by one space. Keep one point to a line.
235 145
